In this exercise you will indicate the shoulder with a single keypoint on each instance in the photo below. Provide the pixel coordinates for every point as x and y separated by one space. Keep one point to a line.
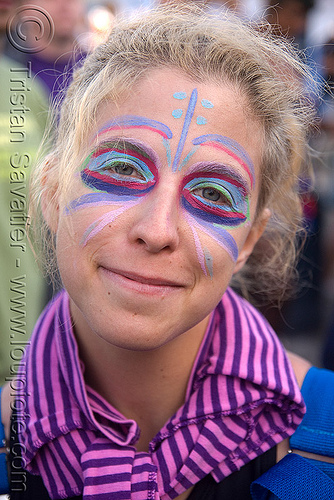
300 367
6 408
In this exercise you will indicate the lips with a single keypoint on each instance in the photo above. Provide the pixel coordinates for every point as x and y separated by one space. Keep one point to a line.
146 284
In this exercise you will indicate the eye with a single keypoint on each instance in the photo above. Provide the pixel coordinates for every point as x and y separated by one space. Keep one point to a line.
210 194
213 195
124 169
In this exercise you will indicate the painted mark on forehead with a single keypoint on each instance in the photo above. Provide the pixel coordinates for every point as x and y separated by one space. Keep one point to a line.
180 95
187 120
131 121
201 120
206 103
177 113
232 148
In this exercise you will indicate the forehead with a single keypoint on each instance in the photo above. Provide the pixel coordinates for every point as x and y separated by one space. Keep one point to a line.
167 101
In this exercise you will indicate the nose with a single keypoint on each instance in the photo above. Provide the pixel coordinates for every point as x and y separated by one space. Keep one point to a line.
156 221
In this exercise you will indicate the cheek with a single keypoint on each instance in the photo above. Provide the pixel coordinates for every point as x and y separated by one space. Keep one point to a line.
94 211
213 243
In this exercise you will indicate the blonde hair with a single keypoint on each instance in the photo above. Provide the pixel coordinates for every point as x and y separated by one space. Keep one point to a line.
222 49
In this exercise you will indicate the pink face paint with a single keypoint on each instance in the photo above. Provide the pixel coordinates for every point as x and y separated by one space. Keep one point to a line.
120 170
215 197
232 148
220 236
131 121
121 173
103 221
198 246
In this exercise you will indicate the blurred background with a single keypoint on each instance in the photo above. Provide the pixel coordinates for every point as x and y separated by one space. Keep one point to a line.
35 68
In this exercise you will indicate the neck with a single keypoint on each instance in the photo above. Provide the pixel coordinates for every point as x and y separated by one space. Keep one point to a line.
146 386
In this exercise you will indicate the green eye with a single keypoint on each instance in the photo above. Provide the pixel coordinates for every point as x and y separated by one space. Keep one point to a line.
210 194
124 169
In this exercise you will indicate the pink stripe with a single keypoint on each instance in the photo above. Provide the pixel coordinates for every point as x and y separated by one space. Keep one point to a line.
230 341
125 127
198 246
233 155
106 219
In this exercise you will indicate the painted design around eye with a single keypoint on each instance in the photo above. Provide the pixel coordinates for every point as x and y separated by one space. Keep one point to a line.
219 200
232 148
119 172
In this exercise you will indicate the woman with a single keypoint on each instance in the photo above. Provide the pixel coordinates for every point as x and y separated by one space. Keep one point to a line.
180 145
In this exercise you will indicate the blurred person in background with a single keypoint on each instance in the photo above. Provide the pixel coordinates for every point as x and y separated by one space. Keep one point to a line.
290 16
100 20
325 168
54 64
301 314
23 110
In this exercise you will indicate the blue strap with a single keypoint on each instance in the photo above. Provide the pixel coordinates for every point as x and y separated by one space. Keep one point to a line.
316 432
293 478
4 484
296 477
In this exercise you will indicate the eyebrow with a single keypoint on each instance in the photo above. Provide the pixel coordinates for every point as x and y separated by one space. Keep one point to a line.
220 169
232 148
125 143
132 121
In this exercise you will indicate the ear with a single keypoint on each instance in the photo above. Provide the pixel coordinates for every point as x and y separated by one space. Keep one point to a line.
49 195
252 238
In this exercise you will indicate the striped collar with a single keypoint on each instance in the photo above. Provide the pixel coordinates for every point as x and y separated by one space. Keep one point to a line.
242 399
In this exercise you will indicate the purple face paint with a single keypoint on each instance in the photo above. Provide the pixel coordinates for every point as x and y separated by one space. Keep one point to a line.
185 129
222 237
124 170
121 173
130 121
232 148
216 201
103 221
198 246
218 198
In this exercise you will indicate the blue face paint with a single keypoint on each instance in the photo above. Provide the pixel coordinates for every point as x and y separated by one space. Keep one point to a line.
232 148
185 129
206 104
200 120
131 121
208 261
121 174
177 113
119 171
219 200
180 95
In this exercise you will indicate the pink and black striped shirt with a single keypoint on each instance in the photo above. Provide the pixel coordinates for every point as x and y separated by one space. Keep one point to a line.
242 399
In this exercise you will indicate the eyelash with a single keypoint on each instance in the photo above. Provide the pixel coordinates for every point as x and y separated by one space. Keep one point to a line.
225 197
115 160
231 199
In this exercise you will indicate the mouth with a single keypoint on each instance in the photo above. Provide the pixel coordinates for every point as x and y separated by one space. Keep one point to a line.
140 283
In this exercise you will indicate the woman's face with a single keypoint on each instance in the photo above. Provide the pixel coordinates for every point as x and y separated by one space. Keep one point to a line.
161 212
